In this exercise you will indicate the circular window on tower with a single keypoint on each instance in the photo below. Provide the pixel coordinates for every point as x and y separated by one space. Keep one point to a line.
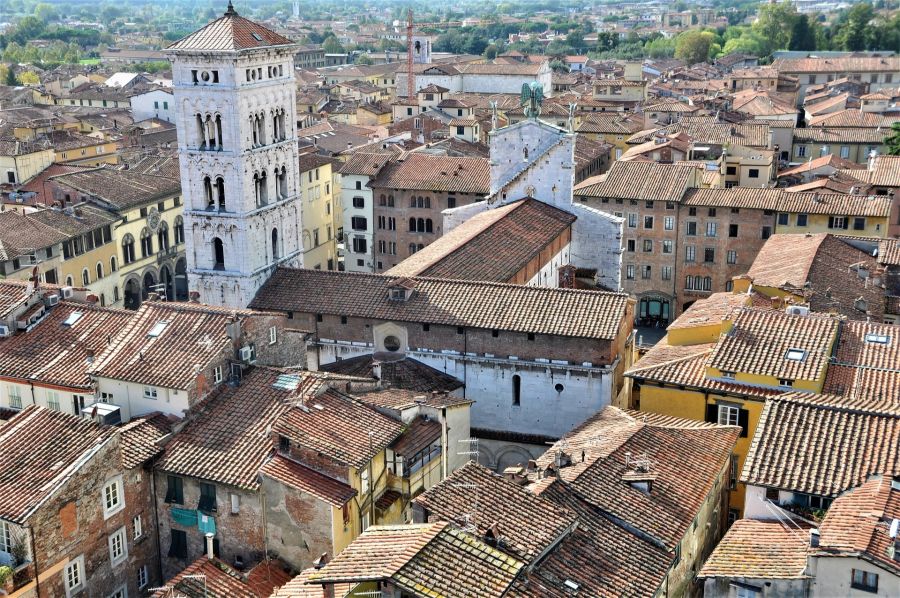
391 343
204 76
559 388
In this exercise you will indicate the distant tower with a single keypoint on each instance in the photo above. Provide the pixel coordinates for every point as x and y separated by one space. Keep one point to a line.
235 104
297 9
421 50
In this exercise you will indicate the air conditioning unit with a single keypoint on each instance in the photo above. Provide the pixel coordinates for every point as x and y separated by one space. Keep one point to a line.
246 353
51 300
67 292
797 310
5 330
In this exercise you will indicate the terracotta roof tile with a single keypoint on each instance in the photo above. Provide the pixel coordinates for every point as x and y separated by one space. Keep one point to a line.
511 504
840 135
420 433
366 164
494 245
841 64
193 336
21 236
710 310
858 523
121 189
308 480
405 374
783 200
140 439
821 445
55 353
41 449
866 372
759 550
398 399
340 427
576 313
760 339
889 252
229 440
299 588
212 578
436 173
230 32
649 181
752 135
885 171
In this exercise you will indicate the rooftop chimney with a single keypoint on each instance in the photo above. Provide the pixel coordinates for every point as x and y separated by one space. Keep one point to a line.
813 538
209 545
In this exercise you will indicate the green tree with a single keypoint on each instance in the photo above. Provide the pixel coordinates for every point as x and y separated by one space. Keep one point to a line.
29 78
892 141
491 52
331 45
559 66
692 47
856 34
11 76
46 12
774 25
364 59
803 37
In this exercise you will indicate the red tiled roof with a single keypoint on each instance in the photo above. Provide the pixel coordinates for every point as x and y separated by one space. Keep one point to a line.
575 313
759 341
229 440
140 439
405 374
420 434
212 578
194 336
821 444
230 32
340 427
494 245
56 354
755 549
307 480
649 181
866 372
858 523
41 449
299 588
427 172
783 200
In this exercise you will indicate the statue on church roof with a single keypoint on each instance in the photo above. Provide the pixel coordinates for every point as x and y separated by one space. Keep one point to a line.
532 96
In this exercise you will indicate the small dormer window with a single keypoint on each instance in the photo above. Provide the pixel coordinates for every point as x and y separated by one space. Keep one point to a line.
728 375
398 294
795 354
881 339
257 37
157 329
786 382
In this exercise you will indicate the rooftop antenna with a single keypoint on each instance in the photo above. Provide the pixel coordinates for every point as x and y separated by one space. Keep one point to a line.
470 448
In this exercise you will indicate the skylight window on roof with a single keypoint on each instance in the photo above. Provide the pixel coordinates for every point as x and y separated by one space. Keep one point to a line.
286 382
795 354
881 339
73 317
157 329
257 37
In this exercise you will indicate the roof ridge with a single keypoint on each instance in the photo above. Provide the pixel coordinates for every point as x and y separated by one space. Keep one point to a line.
676 360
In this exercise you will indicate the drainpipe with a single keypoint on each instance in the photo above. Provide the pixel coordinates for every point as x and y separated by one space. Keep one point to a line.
159 561
37 575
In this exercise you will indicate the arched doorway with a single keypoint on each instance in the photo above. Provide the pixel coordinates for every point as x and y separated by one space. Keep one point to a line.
149 283
165 278
181 283
132 294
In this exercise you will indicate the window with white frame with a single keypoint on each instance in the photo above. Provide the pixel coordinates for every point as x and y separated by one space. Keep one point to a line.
137 527
150 392
73 576
118 546
364 480
6 543
217 374
142 578
113 498
273 335
121 592
53 400
728 415
15 396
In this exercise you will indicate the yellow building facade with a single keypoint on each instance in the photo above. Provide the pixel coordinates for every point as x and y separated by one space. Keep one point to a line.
320 217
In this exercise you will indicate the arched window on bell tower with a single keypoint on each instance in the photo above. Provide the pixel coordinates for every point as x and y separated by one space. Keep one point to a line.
275 252
220 193
282 183
218 254
208 193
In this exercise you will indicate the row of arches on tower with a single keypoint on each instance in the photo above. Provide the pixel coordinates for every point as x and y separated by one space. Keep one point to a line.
209 131
214 188
259 128
151 243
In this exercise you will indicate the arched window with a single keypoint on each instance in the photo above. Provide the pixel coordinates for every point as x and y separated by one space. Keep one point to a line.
390 201
412 225
208 193
427 202
429 228
420 225
516 390
219 130
275 244
146 242
218 254
412 248
179 230
261 189
201 132
69 281
102 300
85 277
162 236
689 283
112 264
220 193
412 201
382 201
282 183
254 131
99 270
115 294
128 249
707 283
